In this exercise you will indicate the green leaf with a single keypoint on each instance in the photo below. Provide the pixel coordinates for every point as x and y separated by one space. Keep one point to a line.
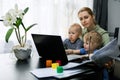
18 22
26 10
30 27
8 34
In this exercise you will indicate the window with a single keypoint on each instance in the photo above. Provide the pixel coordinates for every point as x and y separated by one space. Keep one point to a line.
52 16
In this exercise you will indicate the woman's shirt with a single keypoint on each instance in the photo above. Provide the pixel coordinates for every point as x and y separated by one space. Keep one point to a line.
105 34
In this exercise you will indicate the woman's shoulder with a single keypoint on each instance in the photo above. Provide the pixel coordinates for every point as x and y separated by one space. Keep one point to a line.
84 31
100 30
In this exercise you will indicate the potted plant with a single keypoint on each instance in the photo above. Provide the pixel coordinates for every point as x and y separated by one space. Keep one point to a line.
14 19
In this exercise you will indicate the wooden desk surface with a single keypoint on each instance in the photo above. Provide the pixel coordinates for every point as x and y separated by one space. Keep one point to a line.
13 69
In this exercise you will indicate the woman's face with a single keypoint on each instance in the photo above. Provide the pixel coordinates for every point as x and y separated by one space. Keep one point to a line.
86 19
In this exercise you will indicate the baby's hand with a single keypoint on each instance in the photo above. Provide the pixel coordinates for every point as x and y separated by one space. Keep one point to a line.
69 51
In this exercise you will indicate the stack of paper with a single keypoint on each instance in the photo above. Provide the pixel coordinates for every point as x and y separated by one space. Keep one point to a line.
49 72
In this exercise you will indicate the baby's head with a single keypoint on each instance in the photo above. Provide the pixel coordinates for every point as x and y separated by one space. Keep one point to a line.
92 41
75 31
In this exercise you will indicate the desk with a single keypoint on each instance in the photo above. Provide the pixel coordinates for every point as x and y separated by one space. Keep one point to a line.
13 69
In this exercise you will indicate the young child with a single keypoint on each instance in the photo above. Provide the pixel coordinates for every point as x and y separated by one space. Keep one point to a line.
92 42
73 42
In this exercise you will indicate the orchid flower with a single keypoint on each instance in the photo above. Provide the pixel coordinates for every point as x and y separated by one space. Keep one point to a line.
13 18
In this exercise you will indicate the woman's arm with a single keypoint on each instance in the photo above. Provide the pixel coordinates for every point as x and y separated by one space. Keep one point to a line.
106 38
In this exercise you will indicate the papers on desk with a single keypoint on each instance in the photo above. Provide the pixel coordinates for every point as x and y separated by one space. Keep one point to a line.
70 65
69 73
75 56
49 72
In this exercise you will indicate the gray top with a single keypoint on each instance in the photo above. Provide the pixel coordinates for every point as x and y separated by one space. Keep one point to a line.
76 45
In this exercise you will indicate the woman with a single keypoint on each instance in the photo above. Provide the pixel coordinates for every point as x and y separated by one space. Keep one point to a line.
87 19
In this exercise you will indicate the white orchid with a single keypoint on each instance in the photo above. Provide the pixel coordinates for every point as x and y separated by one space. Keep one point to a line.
8 19
18 13
13 18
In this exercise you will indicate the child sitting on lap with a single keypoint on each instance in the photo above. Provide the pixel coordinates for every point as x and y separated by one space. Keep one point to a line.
73 42
92 42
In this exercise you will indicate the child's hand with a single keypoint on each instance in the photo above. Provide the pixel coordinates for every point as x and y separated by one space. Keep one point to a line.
69 51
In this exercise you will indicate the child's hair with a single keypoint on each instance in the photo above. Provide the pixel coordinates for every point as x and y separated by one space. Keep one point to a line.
94 37
78 27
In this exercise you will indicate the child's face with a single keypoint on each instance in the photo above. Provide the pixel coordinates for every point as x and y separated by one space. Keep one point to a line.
73 34
89 46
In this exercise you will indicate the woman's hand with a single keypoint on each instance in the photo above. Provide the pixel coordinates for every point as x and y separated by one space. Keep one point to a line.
109 64
90 55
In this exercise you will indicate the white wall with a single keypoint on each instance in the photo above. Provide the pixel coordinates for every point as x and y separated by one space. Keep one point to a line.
114 16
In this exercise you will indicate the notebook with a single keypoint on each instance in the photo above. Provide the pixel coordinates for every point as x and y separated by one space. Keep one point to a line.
51 47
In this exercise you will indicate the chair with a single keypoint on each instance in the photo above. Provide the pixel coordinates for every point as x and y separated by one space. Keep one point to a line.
116 68
116 73
115 34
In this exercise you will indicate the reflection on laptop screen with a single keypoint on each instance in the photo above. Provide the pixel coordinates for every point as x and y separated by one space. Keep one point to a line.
50 47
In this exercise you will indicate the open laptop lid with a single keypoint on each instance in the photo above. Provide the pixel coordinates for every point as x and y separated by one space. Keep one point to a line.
50 47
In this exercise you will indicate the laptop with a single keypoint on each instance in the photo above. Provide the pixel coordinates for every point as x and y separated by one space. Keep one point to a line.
50 47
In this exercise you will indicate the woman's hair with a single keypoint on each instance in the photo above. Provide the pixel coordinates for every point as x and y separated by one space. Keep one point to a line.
77 26
88 10
94 37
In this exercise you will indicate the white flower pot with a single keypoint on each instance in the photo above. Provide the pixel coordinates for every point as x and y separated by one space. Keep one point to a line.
22 53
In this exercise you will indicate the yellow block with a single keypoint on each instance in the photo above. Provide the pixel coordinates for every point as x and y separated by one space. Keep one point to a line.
55 65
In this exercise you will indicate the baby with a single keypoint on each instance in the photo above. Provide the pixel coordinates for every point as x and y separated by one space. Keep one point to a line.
73 42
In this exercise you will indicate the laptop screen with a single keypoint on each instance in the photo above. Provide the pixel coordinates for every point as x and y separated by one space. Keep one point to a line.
50 47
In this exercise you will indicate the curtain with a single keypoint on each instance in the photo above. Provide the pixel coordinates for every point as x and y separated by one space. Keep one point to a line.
100 8
52 17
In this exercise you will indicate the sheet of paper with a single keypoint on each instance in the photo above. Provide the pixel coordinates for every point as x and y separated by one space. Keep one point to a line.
74 56
74 64
71 65
43 72
49 72
69 73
